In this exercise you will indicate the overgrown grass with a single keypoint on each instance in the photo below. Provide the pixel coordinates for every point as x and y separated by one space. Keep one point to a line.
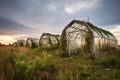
39 64
22 67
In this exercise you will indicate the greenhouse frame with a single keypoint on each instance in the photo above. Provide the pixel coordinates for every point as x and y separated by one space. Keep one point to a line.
48 40
32 42
19 43
83 37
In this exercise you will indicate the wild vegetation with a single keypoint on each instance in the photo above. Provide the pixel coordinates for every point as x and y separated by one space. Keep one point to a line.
20 63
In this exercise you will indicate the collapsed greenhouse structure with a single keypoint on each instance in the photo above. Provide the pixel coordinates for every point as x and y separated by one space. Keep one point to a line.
83 37
48 40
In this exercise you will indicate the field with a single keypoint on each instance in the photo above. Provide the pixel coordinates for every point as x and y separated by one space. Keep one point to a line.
20 63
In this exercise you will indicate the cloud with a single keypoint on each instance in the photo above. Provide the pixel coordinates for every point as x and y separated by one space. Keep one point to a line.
9 27
116 31
6 39
49 28
52 15
79 5
52 7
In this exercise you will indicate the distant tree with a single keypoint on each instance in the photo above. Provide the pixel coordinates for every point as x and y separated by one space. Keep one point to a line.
9 44
0 44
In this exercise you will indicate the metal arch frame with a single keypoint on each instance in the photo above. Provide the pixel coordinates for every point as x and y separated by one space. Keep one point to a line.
76 29
49 37
100 33
34 43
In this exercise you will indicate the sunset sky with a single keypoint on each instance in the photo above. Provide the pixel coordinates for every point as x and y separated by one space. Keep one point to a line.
20 19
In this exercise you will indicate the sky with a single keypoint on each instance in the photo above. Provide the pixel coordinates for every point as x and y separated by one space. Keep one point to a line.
20 19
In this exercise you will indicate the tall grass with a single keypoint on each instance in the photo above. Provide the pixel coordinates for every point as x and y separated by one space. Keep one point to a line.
22 67
37 64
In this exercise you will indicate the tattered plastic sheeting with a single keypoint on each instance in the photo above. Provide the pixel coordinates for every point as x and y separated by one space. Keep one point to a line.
32 42
72 46
45 41
87 38
48 40
19 43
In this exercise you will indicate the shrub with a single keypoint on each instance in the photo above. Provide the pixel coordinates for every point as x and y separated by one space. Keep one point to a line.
10 58
22 67
7 66
109 62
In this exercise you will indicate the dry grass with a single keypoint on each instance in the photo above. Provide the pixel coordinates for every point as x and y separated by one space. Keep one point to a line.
76 67
6 49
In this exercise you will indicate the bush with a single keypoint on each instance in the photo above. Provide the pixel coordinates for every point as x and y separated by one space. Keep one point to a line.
109 62
21 67
7 66
10 58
